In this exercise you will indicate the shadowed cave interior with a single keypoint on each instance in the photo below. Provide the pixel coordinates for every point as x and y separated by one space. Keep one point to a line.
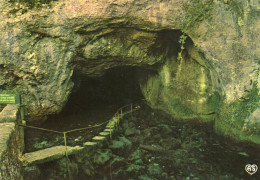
93 100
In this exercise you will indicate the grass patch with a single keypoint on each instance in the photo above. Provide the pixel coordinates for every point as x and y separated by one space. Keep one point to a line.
237 112
196 12
236 7
32 3
180 110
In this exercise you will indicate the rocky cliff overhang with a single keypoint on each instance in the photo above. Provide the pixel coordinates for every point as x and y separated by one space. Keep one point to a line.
42 46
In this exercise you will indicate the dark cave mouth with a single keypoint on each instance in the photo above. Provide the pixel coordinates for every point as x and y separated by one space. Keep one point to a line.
120 85
93 101
116 87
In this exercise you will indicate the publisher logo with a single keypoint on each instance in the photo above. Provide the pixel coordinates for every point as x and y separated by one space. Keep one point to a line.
251 169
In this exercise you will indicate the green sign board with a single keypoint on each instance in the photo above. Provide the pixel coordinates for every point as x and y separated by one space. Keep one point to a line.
8 99
12 99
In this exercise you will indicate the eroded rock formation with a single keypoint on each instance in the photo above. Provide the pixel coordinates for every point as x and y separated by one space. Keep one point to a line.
217 80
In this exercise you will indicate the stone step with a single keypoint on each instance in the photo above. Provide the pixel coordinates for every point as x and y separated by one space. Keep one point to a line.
99 138
108 130
90 144
48 154
57 152
104 133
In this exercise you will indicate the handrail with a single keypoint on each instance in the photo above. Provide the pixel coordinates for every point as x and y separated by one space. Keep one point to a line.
116 115
43 129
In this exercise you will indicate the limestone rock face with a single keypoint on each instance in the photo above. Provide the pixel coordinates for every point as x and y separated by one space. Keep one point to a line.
186 88
41 47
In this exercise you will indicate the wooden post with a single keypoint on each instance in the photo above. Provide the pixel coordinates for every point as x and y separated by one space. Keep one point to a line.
65 142
21 107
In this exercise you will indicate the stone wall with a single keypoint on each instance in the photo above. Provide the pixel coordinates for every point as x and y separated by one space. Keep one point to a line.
11 144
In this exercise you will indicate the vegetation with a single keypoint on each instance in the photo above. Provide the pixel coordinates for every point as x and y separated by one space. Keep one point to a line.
180 110
236 7
197 11
32 3
237 112
182 39
179 58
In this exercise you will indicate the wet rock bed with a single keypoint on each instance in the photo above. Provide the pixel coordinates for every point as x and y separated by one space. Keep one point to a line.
150 144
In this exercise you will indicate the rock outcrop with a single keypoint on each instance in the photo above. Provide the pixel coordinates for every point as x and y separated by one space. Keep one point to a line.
187 88
217 80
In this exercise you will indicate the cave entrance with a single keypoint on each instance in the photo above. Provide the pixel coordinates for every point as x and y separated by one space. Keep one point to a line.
115 88
93 100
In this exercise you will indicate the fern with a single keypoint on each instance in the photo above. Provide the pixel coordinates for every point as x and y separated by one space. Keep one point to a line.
182 39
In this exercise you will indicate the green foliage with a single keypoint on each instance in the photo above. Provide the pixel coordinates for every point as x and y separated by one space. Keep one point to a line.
216 102
243 109
179 57
236 7
134 168
197 11
102 156
236 113
32 3
180 110
182 39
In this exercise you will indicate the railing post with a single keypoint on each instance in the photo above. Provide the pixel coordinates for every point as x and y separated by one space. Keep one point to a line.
18 100
65 142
